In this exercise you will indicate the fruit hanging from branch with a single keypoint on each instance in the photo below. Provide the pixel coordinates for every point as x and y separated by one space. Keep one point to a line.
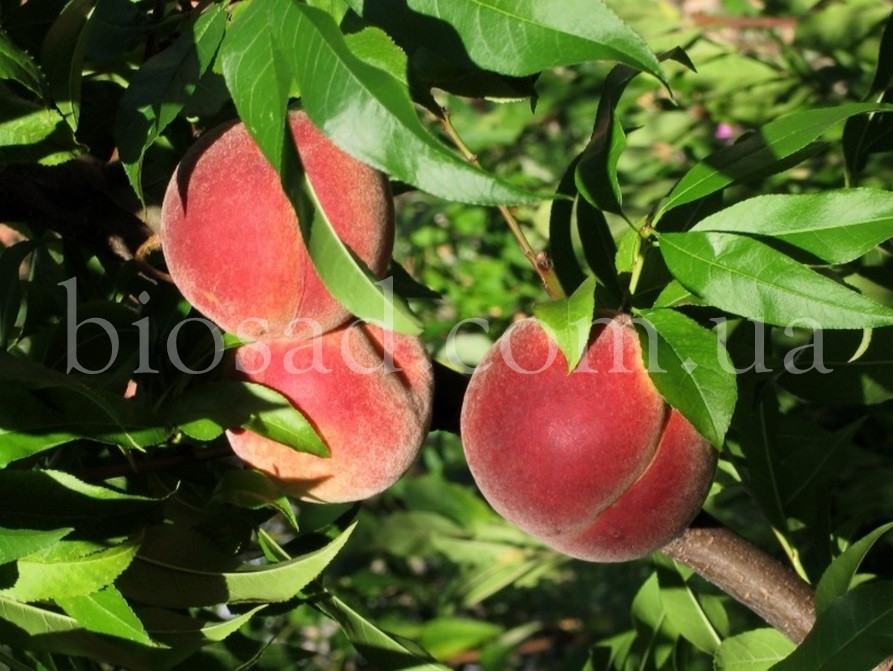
365 390
232 243
594 463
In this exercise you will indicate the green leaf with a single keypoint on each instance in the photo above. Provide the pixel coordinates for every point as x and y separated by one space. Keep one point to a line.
596 173
47 499
746 277
39 580
169 572
516 37
866 379
569 321
755 650
11 259
258 79
31 133
691 369
757 428
854 632
599 247
836 226
17 543
18 66
446 637
37 628
370 115
759 151
838 577
161 88
375 47
345 275
62 55
253 489
379 648
561 247
98 413
28 426
206 410
180 632
685 611
106 612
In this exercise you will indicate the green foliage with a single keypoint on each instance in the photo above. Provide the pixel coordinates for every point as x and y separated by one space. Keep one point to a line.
739 190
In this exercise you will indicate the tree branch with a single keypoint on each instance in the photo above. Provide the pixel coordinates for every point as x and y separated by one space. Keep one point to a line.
750 576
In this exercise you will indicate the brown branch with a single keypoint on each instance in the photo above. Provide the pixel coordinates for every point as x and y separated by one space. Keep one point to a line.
749 575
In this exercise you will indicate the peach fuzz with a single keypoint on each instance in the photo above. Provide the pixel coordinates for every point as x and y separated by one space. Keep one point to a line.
366 391
231 239
593 463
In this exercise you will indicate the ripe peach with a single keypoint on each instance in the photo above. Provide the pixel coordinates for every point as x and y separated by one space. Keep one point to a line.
231 239
594 463
365 390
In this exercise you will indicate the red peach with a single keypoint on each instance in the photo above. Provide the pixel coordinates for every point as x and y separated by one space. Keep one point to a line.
231 239
366 391
594 463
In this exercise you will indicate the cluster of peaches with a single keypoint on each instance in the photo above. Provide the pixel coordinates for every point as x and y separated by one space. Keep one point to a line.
593 462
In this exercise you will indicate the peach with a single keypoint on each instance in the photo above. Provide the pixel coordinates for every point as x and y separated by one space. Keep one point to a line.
367 392
231 239
593 463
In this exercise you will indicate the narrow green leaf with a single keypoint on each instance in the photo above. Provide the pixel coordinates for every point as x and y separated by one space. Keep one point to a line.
370 115
27 426
106 612
32 133
691 369
179 631
165 574
746 277
445 637
11 259
760 150
35 499
516 37
757 428
161 88
378 647
112 418
599 247
206 410
62 56
596 173
375 47
838 577
18 66
755 650
854 632
253 489
39 580
866 379
569 321
18 543
36 628
345 275
836 226
685 612
257 78
561 246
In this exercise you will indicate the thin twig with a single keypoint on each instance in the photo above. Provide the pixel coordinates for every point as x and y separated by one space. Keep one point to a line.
539 260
